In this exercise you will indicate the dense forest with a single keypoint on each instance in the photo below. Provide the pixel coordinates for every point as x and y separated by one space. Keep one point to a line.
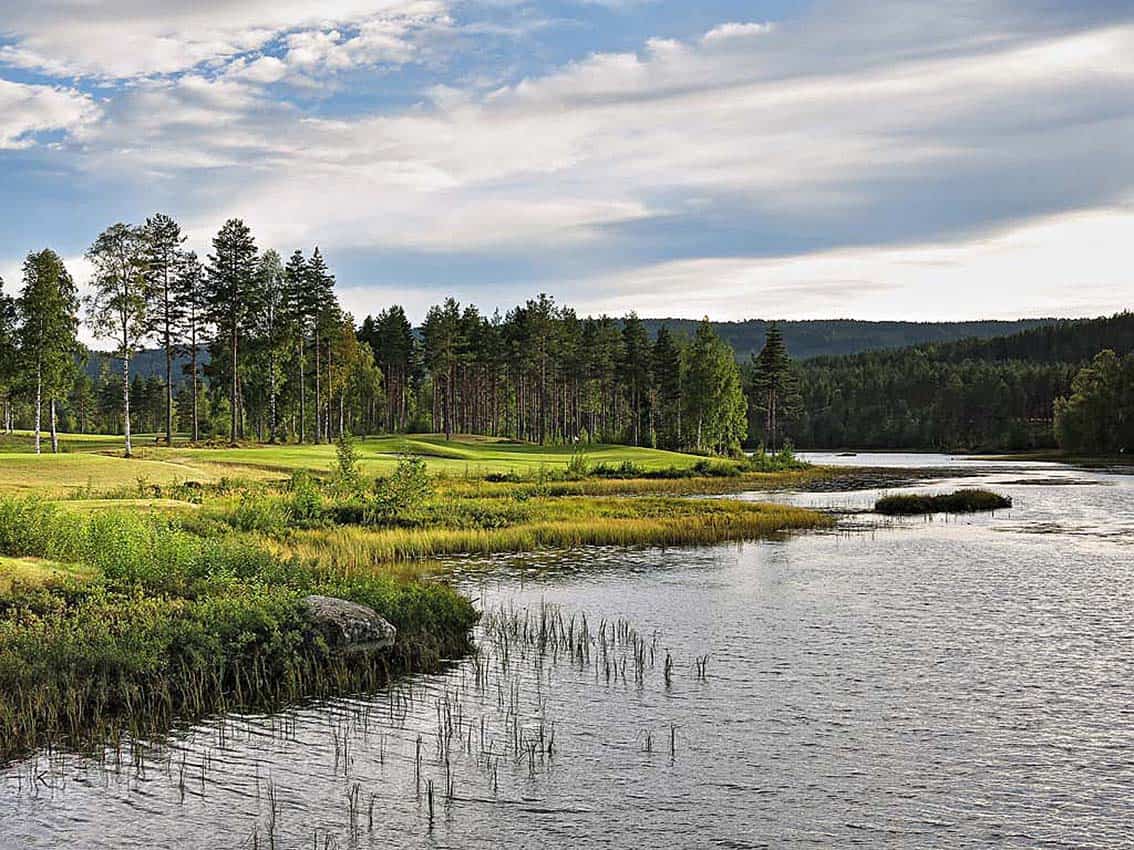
979 394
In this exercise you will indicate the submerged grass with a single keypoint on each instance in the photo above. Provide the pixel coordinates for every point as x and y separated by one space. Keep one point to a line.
957 502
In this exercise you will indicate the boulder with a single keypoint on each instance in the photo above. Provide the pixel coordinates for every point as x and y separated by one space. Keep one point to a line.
348 626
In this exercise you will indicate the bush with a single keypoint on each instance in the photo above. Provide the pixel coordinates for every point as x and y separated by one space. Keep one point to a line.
306 506
401 497
347 477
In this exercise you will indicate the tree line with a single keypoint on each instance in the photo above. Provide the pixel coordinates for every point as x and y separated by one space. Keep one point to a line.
285 362
994 394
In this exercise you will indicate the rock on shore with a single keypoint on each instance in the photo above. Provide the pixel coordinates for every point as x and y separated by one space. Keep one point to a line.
348 626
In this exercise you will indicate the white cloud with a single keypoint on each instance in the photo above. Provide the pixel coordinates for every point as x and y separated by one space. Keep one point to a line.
1073 264
28 110
857 125
135 38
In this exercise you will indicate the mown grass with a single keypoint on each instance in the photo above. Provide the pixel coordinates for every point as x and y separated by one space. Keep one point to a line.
94 463
957 502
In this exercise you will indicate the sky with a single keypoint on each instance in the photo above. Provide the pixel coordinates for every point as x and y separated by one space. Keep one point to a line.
874 159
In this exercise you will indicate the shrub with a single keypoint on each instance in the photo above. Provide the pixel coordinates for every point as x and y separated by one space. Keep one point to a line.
306 507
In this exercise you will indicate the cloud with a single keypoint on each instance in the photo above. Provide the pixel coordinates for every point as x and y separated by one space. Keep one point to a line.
137 38
702 132
829 139
30 110
1072 264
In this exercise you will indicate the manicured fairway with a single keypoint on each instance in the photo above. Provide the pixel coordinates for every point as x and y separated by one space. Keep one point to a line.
94 462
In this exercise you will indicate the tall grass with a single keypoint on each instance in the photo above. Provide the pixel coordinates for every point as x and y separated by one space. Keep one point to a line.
173 624
585 522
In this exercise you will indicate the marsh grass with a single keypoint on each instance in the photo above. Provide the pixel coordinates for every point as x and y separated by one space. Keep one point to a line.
554 523
168 624
957 502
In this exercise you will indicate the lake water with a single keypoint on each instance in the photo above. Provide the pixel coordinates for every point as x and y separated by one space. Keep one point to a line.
947 682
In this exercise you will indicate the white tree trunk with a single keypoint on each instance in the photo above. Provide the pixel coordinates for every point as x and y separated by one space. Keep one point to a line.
38 401
126 403
54 430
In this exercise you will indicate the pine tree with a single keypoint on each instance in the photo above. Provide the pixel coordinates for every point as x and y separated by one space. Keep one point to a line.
324 314
635 371
117 307
163 241
229 288
299 310
47 313
192 295
270 324
775 388
667 384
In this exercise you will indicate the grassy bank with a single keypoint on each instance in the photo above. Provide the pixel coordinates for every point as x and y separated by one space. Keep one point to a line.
155 622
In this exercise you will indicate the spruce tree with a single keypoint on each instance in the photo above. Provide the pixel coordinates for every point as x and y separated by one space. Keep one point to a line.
118 306
229 288
775 388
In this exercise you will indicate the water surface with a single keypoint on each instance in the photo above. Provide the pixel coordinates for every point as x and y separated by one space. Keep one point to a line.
961 682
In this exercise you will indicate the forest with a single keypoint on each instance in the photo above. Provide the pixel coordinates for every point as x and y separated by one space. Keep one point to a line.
996 394
286 363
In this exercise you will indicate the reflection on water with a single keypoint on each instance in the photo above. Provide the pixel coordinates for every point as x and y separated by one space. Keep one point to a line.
942 682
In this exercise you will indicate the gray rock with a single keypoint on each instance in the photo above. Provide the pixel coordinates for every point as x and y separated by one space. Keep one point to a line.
348 626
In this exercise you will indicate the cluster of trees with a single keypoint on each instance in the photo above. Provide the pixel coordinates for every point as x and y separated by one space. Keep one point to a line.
284 360
984 394
1098 415
542 373
256 347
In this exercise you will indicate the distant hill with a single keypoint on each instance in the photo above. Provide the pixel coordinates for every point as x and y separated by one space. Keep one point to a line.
830 337
146 363
805 339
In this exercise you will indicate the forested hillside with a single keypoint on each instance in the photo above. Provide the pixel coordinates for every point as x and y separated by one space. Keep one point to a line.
977 394
833 337
805 339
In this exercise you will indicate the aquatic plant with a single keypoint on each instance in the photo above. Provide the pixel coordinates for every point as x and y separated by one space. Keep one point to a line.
957 502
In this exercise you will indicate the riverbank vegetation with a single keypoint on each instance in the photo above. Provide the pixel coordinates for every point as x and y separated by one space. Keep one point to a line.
1097 416
147 603
957 502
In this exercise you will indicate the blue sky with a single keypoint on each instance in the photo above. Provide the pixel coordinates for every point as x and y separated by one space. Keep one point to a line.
879 159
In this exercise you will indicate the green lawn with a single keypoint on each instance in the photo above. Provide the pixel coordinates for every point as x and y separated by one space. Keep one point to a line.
94 463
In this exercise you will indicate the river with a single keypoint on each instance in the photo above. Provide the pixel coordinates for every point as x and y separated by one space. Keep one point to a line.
958 682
